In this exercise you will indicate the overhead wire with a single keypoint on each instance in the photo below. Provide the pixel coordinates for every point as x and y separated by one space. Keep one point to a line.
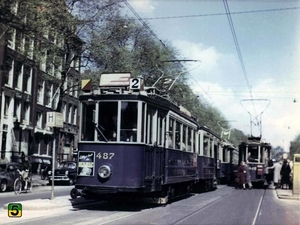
236 43
220 14
154 35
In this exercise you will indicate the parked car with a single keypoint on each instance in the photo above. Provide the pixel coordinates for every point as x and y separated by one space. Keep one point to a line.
66 172
8 175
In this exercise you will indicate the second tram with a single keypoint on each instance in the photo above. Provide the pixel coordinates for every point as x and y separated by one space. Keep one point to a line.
258 153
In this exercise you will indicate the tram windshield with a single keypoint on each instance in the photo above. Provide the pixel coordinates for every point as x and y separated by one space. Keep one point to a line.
109 121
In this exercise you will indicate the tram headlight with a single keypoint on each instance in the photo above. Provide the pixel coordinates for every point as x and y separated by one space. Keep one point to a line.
104 171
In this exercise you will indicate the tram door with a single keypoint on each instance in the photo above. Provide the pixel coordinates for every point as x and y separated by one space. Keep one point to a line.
154 152
217 161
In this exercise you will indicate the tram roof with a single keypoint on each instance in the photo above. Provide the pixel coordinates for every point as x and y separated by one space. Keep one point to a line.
117 86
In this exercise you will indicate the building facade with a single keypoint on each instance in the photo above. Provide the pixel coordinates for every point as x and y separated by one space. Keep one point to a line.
30 84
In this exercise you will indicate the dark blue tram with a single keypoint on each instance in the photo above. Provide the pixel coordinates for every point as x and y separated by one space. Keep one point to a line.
136 143
258 153
229 163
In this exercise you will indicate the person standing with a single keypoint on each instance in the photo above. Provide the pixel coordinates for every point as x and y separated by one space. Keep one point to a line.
277 168
285 175
270 175
241 174
248 175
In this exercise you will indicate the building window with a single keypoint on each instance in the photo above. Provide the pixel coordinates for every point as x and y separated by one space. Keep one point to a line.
17 110
65 111
75 115
26 113
9 71
19 44
70 113
6 106
28 47
48 92
27 78
39 120
18 74
40 92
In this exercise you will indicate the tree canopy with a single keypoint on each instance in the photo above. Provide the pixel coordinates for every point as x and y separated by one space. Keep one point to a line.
106 40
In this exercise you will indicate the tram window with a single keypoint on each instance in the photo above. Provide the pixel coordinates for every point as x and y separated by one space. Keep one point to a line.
210 148
184 137
108 120
253 154
149 132
87 127
129 121
159 129
205 146
177 134
143 122
193 144
171 134
189 140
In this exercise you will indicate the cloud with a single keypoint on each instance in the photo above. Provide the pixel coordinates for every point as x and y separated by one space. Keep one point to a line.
143 6
220 80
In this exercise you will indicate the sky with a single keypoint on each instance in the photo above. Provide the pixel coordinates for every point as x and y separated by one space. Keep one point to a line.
267 46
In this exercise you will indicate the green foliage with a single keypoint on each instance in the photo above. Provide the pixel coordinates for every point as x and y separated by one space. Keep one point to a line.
107 41
295 146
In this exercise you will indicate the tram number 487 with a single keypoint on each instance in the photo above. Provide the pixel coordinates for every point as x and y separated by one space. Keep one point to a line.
105 155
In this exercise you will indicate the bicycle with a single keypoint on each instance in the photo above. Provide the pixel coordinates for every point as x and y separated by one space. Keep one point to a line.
19 183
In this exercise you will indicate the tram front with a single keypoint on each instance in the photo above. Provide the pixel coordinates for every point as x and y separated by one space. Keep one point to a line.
257 152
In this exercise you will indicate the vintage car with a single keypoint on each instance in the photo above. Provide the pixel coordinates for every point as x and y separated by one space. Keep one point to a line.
8 175
66 172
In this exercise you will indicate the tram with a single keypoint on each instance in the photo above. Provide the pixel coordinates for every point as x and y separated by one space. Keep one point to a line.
229 163
258 153
136 143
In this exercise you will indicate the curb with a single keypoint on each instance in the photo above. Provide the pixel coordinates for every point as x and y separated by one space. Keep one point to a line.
288 195
48 204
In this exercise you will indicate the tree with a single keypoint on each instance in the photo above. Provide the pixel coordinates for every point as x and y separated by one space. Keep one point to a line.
277 152
61 31
295 146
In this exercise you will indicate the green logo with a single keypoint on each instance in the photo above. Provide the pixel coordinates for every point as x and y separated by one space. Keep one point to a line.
14 210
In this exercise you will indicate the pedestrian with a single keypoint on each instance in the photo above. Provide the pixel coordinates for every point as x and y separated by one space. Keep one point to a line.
22 157
285 175
248 175
241 174
270 173
276 178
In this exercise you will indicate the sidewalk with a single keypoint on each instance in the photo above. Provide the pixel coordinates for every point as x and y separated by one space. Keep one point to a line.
287 194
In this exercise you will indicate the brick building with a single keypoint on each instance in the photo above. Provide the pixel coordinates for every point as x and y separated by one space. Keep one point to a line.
30 87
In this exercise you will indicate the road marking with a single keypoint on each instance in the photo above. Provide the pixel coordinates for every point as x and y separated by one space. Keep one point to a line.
258 209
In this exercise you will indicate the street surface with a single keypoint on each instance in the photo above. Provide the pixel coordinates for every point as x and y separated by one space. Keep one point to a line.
42 192
226 205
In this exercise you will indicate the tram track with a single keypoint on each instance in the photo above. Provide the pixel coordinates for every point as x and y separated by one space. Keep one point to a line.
199 210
